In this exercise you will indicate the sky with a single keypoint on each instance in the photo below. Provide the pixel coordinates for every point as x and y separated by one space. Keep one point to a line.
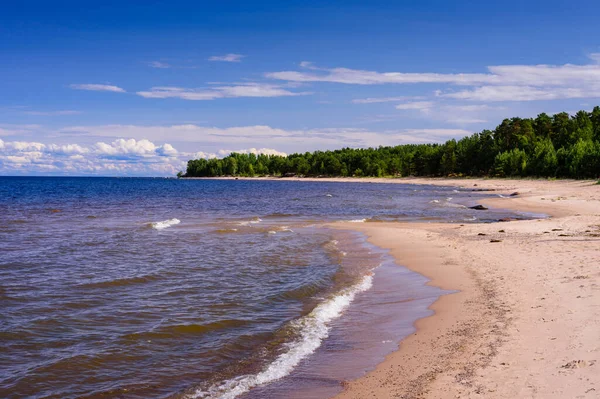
137 88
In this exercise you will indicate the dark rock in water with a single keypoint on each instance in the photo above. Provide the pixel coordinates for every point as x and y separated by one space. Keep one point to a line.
515 194
506 219
479 190
478 207
55 210
493 240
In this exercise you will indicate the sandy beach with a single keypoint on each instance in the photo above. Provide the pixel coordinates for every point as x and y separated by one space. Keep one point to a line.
525 319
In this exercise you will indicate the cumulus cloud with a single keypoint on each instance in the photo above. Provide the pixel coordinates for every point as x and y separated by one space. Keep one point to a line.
97 87
500 83
119 157
227 58
240 90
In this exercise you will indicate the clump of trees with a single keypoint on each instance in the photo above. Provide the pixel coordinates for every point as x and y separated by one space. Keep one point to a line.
545 146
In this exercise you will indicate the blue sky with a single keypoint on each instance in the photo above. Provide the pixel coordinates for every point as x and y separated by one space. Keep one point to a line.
139 87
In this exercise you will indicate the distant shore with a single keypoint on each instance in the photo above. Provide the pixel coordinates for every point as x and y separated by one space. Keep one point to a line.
525 319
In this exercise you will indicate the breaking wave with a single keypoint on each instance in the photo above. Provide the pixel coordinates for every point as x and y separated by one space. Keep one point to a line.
165 224
313 329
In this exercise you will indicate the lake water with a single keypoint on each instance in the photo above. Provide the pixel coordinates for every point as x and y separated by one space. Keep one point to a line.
164 288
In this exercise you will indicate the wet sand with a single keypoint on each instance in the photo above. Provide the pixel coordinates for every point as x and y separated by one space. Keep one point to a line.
525 322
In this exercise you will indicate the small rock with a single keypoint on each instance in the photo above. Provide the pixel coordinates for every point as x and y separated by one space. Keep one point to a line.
501 231
478 207
557 229
494 240
482 234
515 194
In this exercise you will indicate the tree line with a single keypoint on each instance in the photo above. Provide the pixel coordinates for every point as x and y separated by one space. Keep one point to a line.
546 146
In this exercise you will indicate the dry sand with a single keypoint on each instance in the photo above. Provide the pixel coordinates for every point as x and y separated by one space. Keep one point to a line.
525 322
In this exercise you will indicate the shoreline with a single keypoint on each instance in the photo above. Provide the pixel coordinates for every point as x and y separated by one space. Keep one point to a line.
523 319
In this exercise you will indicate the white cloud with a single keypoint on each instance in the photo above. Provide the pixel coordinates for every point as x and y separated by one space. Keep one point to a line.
416 105
227 58
594 57
373 100
265 136
362 77
67 149
24 146
158 64
239 90
500 83
120 157
471 107
264 151
97 87
12 130
525 93
52 113
465 121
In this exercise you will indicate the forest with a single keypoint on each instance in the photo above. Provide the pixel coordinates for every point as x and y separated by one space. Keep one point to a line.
546 146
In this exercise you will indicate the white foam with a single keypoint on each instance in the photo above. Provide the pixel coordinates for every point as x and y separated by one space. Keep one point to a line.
165 223
434 202
272 232
328 195
313 328
357 221
249 222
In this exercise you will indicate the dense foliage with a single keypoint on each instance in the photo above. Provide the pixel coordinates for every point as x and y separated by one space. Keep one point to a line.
548 146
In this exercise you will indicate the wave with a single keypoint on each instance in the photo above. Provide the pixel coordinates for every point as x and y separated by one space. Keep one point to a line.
357 221
165 224
249 222
120 282
167 332
313 329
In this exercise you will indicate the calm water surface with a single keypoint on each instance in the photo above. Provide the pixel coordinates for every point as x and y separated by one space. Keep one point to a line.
163 288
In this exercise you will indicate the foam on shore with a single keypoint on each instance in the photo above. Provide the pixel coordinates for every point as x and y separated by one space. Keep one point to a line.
313 329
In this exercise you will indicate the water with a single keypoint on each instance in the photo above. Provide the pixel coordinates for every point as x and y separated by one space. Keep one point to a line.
139 288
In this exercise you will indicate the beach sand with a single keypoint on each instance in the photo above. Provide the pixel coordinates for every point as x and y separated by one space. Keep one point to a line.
525 320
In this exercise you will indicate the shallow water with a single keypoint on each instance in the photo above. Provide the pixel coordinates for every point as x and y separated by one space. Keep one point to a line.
140 288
